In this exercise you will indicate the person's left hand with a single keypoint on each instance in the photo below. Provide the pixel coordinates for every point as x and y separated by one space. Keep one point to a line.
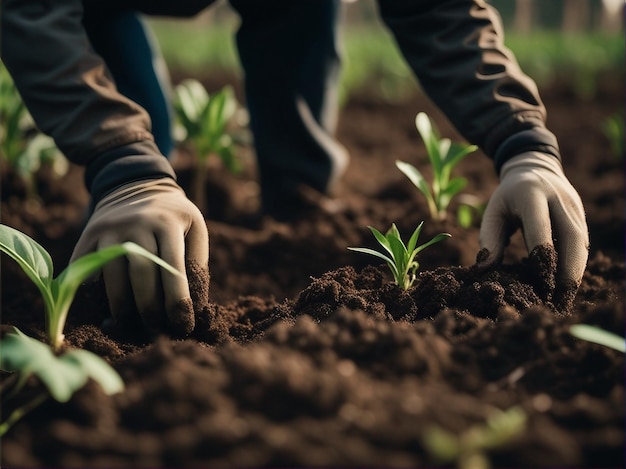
535 194
157 215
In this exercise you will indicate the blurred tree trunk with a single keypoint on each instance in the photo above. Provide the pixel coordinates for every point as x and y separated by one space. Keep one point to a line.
575 15
523 19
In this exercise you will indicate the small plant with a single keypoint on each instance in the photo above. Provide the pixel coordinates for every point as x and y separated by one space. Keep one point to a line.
58 293
204 121
401 258
613 128
598 336
444 156
469 448
62 375
22 147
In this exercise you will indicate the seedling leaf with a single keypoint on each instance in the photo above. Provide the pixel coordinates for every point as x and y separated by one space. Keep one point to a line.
414 176
443 156
20 353
371 252
436 239
598 336
430 137
414 237
382 239
402 262
457 153
97 369
30 255
59 293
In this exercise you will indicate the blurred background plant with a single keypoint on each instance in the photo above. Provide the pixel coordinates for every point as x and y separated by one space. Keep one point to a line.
208 126
613 128
23 149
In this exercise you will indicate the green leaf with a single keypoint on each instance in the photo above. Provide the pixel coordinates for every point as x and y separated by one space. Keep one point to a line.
415 177
27 356
436 239
67 283
30 255
82 268
402 261
598 336
194 98
455 186
96 368
441 444
444 148
228 156
430 137
464 216
397 246
371 252
62 375
457 153
382 239
414 237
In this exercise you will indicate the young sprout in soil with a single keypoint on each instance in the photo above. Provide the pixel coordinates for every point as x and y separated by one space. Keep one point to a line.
62 375
22 147
58 293
444 156
469 449
401 258
205 120
598 336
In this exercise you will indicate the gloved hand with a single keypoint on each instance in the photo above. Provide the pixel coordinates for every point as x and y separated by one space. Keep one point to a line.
535 193
157 215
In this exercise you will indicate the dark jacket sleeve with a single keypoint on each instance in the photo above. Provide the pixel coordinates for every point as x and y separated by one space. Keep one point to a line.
456 50
71 96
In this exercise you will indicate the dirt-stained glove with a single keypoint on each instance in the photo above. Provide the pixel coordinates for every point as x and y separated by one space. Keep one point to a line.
535 194
157 215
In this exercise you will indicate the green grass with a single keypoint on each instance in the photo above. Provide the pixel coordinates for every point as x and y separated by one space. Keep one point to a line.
371 59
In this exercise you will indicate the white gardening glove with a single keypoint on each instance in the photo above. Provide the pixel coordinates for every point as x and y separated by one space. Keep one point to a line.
157 215
535 194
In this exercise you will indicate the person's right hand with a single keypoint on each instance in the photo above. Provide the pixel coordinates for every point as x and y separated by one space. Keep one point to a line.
158 216
535 195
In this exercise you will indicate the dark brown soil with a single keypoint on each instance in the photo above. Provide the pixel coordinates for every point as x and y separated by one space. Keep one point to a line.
305 353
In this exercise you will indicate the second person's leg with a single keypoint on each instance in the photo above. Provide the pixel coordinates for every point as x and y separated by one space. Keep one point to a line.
289 53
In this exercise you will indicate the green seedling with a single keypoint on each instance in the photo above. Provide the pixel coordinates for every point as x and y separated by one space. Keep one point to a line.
401 258
22 147
58 293
205 121
444 156
613 128
598 336
469 449
62 375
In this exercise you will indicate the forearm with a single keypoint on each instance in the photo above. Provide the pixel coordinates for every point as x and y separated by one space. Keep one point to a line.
456 50
69 92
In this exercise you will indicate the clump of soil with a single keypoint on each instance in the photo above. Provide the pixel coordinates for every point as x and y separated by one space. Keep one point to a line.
305 353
